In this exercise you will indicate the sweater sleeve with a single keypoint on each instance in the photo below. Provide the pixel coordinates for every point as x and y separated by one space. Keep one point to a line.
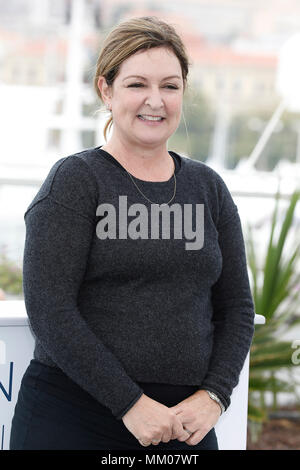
59 231
233 308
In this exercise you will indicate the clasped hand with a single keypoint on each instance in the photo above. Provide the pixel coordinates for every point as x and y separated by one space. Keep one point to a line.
152 422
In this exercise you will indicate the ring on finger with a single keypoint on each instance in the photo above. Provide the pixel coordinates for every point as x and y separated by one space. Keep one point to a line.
190 432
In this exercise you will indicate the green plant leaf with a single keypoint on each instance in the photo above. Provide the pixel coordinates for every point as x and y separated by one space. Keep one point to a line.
265 384
256 413
272 268
276 296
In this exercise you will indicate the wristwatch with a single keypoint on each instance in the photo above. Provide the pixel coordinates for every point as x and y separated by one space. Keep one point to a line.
214 397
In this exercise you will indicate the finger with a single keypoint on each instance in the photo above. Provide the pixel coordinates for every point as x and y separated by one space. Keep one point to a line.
144 444
167 435
155 442
196 437
188 430
185 431
184 436
177 428
178 431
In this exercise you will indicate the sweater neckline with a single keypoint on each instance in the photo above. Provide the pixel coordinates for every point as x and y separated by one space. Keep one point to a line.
178 160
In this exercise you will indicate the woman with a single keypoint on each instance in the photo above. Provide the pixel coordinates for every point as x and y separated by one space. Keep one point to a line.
142 320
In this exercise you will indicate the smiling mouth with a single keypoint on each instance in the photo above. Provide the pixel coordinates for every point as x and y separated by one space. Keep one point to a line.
150 118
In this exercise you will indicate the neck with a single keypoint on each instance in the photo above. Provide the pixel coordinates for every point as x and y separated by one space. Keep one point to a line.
142 162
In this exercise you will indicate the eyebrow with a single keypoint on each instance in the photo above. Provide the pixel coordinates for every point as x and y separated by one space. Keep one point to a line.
143 78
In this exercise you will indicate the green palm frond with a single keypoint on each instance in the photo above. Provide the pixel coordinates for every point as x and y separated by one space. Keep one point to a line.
276 297
274 272
261 383
256 413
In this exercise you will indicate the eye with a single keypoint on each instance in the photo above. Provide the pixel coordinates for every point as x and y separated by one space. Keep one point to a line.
139 85
135 85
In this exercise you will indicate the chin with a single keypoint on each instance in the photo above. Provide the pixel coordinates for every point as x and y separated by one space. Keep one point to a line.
149 139
152 142
153 137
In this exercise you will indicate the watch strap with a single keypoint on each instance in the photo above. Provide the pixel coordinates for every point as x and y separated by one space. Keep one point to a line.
214 397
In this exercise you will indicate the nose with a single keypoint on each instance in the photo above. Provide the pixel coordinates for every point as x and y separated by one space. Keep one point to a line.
154 99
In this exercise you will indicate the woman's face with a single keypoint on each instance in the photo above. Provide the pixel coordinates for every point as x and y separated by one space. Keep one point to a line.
149 84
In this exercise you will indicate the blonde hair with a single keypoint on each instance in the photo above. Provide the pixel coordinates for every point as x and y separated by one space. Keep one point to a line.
131 36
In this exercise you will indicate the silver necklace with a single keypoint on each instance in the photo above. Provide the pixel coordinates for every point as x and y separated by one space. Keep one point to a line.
163 204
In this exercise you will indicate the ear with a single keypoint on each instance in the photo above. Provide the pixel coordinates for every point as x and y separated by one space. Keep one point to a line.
104 89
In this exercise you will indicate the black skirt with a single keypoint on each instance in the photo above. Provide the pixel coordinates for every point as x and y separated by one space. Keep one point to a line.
54 413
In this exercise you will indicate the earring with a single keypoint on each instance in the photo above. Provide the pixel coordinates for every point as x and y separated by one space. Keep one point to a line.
108 107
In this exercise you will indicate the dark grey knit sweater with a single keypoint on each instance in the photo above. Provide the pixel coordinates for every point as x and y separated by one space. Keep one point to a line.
116 296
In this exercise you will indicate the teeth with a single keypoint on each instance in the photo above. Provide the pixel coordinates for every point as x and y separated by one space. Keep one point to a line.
150 118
